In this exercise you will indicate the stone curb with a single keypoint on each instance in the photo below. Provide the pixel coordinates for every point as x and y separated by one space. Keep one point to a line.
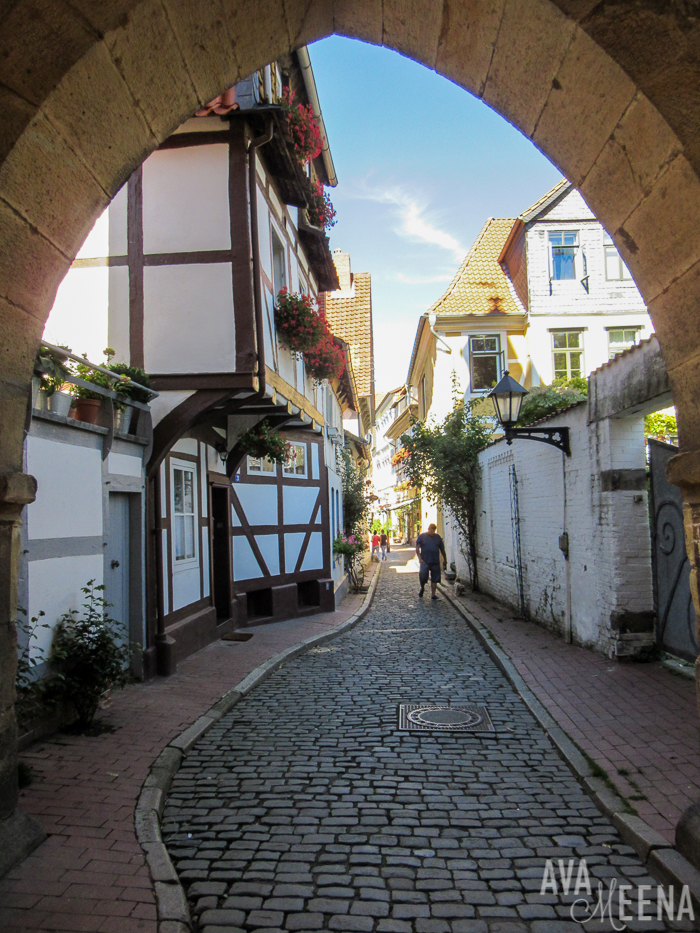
655 851
171 900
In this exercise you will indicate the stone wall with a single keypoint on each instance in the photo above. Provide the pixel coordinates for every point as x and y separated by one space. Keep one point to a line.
601 594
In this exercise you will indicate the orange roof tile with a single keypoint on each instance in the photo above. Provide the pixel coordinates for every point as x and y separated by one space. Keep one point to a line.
481 286
349 316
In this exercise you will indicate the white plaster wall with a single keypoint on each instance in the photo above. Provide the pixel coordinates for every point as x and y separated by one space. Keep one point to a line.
188 319
79 314
245 566
54 588
68 502
313 559
293 542
186 445
605 304
118 231
259 502
185 200
166 402
124 465
298 504
270 549
609 541
96 243
186 586
264 236
595 339
118 316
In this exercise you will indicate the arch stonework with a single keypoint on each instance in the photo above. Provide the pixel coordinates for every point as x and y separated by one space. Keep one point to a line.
609 92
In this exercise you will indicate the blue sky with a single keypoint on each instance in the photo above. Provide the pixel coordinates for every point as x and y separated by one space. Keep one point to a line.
421 165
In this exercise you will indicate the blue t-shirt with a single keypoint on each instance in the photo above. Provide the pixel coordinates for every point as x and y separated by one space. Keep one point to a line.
430 547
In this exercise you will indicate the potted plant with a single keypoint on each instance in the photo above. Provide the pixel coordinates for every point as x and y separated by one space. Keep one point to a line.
264 441
299 325
89 654
52 370
125 387
321 212
325 361
302 126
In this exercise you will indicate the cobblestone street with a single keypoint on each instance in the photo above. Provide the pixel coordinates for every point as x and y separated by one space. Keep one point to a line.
305 808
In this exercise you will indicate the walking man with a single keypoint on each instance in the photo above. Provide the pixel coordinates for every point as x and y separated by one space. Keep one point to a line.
383 544
429 547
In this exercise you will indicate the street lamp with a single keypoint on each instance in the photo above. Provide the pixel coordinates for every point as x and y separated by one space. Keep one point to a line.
507 398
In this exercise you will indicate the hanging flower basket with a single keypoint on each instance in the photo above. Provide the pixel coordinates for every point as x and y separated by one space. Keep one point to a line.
403 453
321 211
349 545
299 325
326 361
302 126
264 441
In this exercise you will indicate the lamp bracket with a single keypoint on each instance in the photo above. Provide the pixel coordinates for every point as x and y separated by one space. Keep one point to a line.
555 437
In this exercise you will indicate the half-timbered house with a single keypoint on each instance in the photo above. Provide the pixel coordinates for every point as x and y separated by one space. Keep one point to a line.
183 280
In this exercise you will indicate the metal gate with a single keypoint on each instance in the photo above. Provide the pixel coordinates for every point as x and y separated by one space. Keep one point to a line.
675 630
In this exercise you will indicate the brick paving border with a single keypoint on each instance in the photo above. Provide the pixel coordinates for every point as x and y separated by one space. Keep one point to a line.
91 874
637 721
653 848
173 909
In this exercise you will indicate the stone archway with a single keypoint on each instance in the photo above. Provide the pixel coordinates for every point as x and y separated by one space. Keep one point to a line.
608 91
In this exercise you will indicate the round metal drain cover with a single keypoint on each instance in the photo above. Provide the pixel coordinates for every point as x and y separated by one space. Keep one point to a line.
444 716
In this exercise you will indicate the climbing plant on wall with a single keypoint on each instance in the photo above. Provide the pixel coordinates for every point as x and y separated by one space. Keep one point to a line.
443 462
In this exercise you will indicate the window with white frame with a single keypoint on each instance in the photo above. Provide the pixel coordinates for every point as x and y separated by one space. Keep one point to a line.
484 361
279 263
621 339
567 349
615 269
184 513
264 465
295 465
563 245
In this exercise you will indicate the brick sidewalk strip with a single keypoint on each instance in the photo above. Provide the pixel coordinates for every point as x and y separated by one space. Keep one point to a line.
90 874
639 722
304 808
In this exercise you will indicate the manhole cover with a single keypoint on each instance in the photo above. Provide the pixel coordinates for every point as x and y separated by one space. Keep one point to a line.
420 716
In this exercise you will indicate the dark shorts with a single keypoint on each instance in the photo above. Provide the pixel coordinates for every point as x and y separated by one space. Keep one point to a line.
429 570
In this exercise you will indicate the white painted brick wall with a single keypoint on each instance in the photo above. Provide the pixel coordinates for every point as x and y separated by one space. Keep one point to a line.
609 541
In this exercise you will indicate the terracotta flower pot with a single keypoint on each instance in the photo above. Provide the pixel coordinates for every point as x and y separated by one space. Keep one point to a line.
87 410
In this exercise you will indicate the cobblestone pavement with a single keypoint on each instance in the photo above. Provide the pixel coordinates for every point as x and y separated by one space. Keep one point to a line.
637 721
305 809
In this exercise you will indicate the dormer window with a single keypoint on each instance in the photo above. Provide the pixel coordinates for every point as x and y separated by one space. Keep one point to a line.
484 361
563 245
615 269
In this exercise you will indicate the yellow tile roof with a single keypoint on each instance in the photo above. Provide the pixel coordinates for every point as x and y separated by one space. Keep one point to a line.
480 285
349 316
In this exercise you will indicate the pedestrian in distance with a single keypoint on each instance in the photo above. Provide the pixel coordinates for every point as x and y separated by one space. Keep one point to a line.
375 546
383 544
429 547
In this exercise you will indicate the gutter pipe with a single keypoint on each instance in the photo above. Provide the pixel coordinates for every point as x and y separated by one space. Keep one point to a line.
432 321
254 145
307 74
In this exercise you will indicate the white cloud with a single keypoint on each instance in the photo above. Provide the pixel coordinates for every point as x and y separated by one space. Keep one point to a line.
413 221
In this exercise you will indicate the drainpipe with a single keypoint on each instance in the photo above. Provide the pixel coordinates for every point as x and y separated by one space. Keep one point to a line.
255 144
307 74
166 663
432 321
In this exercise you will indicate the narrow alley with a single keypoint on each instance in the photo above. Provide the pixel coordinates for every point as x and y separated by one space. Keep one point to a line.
305 808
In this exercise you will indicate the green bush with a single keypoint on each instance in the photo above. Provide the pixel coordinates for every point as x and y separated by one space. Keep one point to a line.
543 400
89 655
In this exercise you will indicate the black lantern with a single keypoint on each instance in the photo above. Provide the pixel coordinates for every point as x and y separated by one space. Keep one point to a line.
507 398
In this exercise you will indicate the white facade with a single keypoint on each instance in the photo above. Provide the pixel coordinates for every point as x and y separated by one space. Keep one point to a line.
598 301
